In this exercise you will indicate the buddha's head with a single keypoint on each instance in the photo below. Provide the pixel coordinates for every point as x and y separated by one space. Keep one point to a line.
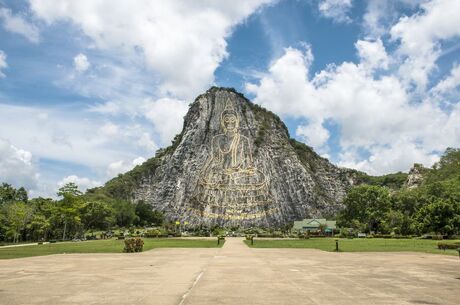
229 118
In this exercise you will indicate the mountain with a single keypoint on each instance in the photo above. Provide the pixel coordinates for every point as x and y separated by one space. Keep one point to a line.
234 164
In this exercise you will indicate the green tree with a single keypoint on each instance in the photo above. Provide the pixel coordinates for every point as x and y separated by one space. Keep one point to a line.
69 189
97 215
17 215
147 216
68 209
38 227
9 194
440 216
125 214
366 204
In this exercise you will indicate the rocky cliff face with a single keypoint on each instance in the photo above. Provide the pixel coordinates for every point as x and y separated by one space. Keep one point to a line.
234 165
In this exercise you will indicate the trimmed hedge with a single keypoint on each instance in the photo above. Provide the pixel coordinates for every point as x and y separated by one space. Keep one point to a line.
135 244
445 246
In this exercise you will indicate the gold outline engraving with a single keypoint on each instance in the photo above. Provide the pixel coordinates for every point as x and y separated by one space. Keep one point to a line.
230 187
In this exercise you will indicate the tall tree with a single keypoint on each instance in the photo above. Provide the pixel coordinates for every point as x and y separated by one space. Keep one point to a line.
440 216
96 215
17 215
366 204
68 208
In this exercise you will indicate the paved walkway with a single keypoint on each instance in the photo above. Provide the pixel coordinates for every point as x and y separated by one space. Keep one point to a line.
22 245
234 274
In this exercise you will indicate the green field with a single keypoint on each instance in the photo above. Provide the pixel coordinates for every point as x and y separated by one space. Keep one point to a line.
103 246
357 245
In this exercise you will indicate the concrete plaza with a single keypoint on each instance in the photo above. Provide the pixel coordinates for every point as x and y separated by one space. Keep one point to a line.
234 274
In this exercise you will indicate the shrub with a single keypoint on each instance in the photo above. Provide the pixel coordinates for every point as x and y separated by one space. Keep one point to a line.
249 236
135 244
445 246
277 234
304 235
156 233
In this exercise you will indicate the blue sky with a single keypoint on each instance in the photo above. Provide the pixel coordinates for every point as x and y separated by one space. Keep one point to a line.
89 89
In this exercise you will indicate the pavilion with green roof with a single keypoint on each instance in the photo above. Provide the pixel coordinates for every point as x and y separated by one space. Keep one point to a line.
315 225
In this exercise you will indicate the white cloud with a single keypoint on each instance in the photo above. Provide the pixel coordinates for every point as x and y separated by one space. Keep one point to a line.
82 182
109 130
17 24
120 166
145 141
3 63
420 36
381 15
374 112
17 166
139 161
81 63
183 41
167 116
336 10
386 159
76 137
449 83
372 54
313 134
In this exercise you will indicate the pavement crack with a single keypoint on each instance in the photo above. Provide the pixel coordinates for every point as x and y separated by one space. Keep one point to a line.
197 279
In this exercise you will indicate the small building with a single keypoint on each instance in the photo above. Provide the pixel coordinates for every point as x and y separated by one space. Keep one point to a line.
316 225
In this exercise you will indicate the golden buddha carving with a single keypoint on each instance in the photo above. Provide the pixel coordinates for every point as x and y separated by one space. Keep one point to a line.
229 183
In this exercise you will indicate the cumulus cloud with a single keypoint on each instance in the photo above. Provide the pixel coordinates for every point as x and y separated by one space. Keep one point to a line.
336 10
82 182
3 63
387 116
183 41
17 166
167 116
81 63
451 82
314 134
372 54
420 38
381 15
374 112
17 24
76 137
120 166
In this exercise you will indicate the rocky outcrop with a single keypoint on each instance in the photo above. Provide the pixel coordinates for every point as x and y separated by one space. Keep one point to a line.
416 175
234 164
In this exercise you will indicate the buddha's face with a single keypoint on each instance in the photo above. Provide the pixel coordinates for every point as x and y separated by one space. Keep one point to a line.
230 122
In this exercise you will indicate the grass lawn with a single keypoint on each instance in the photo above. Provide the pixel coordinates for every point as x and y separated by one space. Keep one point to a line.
357 245
103 246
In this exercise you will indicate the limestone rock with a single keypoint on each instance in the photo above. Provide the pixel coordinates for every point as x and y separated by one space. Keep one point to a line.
415 177
234 165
